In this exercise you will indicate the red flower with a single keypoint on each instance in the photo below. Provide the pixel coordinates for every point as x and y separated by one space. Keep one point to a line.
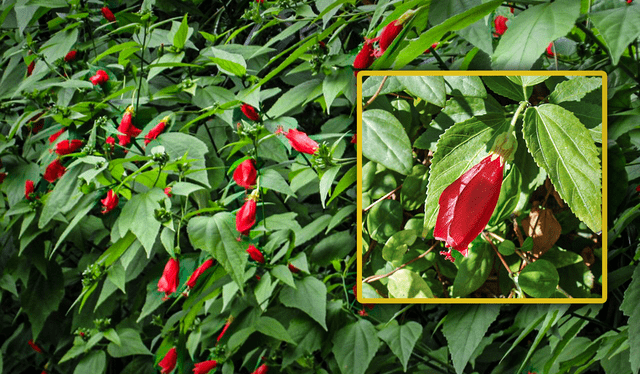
55 136
168 363
204 367
365 57
28 189
363 313
54 171
260 1
70 56
127 128
466 204
196 274
2 176
168 283
30 68
263 369
111 141
388 35
550 50
100 77
245 174
354 139
68 146
638 188
108 15
246 217
167 191
34 346
109 202
157 130
501 24
224 329
250 112
293 269
255 254
301 142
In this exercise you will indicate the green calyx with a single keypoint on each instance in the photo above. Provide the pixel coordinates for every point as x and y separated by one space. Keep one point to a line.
505 145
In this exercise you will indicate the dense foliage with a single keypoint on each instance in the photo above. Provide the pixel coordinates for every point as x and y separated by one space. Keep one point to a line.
126 128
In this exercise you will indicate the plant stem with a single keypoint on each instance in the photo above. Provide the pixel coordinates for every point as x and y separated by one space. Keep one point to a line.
375 95
378 277
382 198
144 45
514 119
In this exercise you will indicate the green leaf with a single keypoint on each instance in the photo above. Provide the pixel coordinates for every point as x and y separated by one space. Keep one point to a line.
116 48
59 45
271 327
326 182
462 146
308 336
217 235
310 296
414 188
429 88
333 247
504 86
531 31
630 308
401 339
138 217
618 27
272 180
347 180
64 196
561 145
335 83
574 89
94 362
177 145
527 80
283 273
473 270
561 258
539 279
406 284
181 35
42 295
185 188
293 98
465 86
397 245
464 328
371 85
354 346
384 219
385 141
131 344
229 63
84 206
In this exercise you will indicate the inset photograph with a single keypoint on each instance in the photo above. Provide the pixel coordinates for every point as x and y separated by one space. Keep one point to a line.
483 187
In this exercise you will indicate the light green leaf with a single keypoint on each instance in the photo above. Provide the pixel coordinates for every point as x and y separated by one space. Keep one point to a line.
473 270
294 98
385 141
618 27
326 182
131 344
138 217
181 35
334 83
406 284
465 86
574 89
347 180
506 87
271 327
561 145
429 88
272 180
185 188
283 273
354 346
94 362
527 80
177 145
539 279
630 308
310 296
397 245
401 339
64 196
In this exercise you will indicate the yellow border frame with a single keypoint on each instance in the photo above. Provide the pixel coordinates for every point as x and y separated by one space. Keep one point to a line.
600 300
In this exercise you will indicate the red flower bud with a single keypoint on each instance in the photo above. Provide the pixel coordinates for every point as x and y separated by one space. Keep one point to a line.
260 1
301 142
550 50
54 171
30 68
167 191
28 189
245 174
638 188
263 369
293 269
157 130
196 274
2 176
34 346
168 283
501 24
68 146
70 56
354 139
127 128
466 204
250 112
365 57
110 140
100 77
55 136
224 329
108 15
204 367
109 202
255 254
168 363
246 217
388 35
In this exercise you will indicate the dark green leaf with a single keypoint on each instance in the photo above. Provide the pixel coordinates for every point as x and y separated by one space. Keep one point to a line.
401 339
385 141
354 346
539 279
310 296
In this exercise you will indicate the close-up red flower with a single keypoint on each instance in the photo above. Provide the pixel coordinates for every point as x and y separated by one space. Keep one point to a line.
550 50
99 78
204 367
110 140
196 274
55 136
29 187
168 363
34 346
365 57
2 176
250 112
167 191
301 142
127 128
68 146
224 329
501 24
354 139
54 171
467 204
263 369
246 217
168 283
70 56
109 202
293 269
108 14
245 174
255 254
30 68
388 35
155 131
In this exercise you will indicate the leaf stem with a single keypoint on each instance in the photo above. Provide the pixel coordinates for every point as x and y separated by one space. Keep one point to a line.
380 199
374 278
375 95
